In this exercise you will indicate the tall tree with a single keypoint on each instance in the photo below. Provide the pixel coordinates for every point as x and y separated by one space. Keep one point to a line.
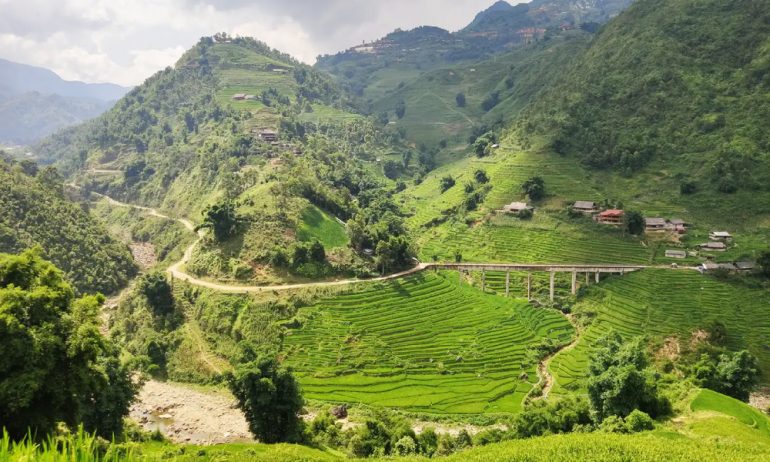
54 364
620 380
270 399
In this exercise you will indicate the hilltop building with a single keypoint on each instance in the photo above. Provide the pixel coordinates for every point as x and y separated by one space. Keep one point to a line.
587 207
515 207
239 96
610 217
268 135
723 236
714 246
655 224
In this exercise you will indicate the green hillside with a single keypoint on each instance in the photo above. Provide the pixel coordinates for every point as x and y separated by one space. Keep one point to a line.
676 85
426 343
664 304
184 143
433 114
34 211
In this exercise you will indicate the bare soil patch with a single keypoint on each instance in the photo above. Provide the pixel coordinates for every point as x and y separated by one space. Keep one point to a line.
144 254
186 415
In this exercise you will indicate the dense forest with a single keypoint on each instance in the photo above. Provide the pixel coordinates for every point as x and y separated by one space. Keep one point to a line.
34 212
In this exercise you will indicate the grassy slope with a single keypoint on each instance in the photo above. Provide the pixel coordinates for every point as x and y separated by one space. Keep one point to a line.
424 344
317 224
662 303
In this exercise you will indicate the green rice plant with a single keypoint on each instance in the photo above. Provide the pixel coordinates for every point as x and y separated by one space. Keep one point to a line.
426 343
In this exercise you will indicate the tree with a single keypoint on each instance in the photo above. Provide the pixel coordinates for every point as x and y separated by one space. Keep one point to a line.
460 99
446 183
270 399
491 100
55 365
764 262
316 251
481 176
620 380
534 187
483 144
394 252
733 375
222 219
155 287
400 109
390 168
633 222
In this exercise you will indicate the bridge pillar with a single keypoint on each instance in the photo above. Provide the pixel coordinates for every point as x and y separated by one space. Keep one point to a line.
596 275
507 282
574 282
483 280
587 274
529 285
553 275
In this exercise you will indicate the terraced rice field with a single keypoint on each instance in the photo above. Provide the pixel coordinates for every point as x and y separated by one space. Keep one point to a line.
524 243
425 343
663 303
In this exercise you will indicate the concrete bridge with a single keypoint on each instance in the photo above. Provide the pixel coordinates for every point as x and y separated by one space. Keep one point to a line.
597 270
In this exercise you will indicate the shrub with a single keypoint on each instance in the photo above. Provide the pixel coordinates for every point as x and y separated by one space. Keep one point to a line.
638 421
406 446
525 214
481 176
534 187
446 183
688 187
460 99
427 441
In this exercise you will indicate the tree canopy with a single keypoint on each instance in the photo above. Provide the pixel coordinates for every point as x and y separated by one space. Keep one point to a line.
54 364
270 399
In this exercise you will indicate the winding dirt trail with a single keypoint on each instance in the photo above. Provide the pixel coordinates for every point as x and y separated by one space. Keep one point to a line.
177 272
545 377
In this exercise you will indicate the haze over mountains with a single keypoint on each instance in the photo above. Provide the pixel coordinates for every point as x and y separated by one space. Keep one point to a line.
35 102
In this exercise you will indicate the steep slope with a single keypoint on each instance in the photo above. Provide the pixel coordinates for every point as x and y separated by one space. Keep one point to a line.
449 104
34 212
248 130
681 83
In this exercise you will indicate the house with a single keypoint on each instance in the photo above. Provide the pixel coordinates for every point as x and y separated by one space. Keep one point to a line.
745 265
654 224
707 266
516 207
268 135
676 254
677 225
723 236
714 246
610 217
250 97
584 207
239 96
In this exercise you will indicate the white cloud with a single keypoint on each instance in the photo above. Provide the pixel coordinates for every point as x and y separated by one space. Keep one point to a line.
126 41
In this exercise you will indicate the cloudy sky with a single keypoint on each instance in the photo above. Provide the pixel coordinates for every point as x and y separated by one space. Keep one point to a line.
125 41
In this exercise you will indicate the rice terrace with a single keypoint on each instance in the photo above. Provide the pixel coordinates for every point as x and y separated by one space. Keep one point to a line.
516 230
